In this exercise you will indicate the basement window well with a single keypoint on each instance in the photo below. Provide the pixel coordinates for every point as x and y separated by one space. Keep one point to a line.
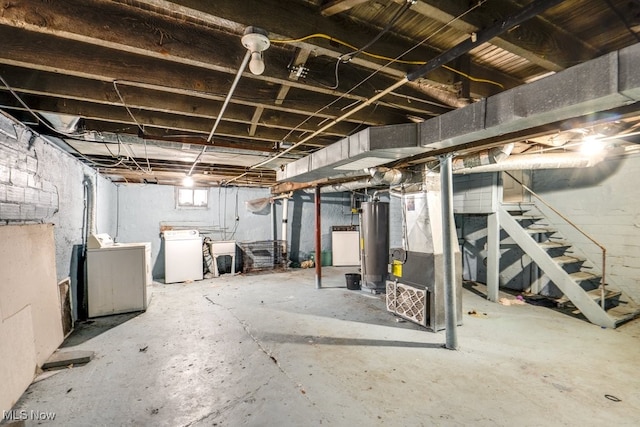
192 197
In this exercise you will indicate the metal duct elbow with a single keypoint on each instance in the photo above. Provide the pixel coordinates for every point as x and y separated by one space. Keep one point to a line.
482 158
382 175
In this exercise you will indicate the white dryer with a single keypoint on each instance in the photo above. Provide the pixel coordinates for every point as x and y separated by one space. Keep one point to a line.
182 256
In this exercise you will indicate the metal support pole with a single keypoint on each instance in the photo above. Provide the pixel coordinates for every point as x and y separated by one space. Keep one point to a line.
318 259
448 231
274 233
493 256
285 219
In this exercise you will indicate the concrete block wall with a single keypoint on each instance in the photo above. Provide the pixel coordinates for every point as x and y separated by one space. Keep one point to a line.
602 200
605 202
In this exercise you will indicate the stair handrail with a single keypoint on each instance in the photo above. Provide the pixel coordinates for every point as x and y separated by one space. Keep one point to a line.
584 233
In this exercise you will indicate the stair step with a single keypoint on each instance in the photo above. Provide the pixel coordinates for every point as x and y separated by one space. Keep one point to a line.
518 207
623 313
565 259
540 229
528 217
551 244
584 275
594 294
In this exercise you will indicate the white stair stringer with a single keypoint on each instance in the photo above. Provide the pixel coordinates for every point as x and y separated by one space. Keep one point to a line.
572 289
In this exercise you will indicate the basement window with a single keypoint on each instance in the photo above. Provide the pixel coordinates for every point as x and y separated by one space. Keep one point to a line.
192 197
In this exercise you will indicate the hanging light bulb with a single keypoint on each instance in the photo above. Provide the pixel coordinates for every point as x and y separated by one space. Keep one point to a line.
256 65
256 41
187 181
591 146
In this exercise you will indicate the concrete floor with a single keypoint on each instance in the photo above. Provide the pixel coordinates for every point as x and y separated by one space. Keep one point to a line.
271 350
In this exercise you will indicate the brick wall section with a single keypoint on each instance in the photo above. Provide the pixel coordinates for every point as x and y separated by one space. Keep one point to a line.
25 195
41 183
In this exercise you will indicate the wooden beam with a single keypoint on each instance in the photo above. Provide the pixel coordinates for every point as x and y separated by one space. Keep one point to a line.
292 20
96 113
255 120
282 94
537 40
338 6
133 32
159 98
299 61
93 62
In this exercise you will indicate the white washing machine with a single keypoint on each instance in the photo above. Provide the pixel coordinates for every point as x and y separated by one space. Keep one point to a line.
182 255
118 276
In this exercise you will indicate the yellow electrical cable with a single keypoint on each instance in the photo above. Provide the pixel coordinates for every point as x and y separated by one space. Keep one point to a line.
384 58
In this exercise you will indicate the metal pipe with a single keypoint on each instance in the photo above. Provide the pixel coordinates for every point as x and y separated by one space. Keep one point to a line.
535 161
318 259
376 193
527 12
484 157
391 176
245 61
91 204
345 186
285 216
448 230
274 234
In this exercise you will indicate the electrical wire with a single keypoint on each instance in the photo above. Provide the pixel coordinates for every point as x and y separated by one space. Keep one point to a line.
349 56
34 114
386 58
132 157
124 104
358 108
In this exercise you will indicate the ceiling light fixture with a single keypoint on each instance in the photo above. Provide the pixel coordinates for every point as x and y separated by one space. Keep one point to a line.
256 41
187 181
591 145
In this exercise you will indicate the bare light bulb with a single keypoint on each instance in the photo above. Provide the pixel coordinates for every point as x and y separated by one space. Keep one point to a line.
256 65
591 146
187 181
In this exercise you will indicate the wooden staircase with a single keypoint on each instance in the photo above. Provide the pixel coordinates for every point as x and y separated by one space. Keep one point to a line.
576 277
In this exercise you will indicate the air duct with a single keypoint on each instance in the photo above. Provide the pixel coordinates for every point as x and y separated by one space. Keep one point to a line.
443 96
389 176
485 157
90 201
536 161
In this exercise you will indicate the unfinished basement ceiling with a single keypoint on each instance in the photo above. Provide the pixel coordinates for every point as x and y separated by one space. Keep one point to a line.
147 78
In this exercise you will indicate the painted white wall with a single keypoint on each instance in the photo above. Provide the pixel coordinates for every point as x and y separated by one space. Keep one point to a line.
142 209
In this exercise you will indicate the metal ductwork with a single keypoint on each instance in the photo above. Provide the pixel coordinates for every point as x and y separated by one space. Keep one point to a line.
368 148
345 186
443 96
536 161
389 176
482 158
602 84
